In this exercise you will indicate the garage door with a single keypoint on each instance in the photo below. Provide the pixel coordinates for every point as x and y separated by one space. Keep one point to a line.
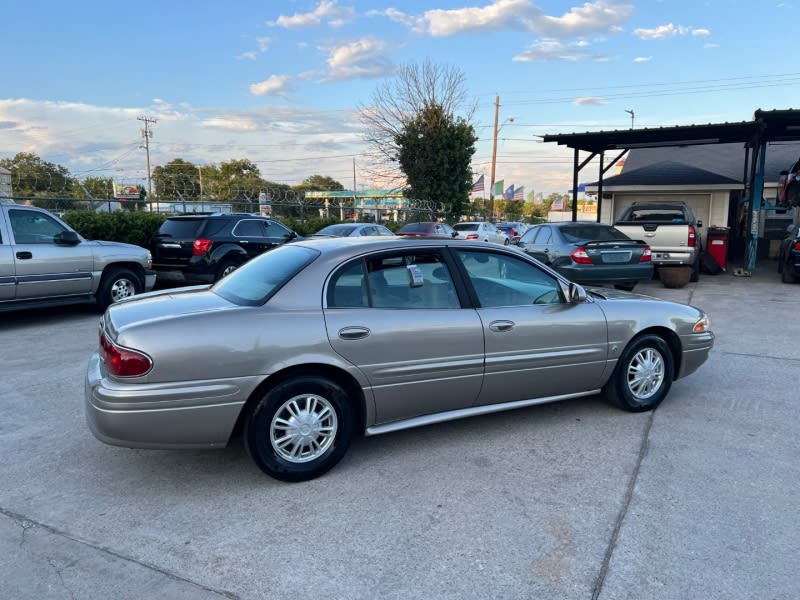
699 203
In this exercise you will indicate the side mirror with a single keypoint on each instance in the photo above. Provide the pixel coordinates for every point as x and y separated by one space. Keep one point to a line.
454 234
577 294
67 238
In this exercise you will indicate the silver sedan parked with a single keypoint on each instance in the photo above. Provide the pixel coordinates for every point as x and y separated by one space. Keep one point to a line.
317 341
481 230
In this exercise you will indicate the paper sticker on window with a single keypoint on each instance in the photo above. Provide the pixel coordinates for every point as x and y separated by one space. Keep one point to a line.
415 275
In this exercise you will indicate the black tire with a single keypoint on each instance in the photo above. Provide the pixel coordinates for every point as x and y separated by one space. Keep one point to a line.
695 277
226 267
506 242
787 272
643 375
117 284
316 419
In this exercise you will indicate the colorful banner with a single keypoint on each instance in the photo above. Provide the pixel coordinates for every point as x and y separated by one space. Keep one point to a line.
478 185
519 193
497 189
509 193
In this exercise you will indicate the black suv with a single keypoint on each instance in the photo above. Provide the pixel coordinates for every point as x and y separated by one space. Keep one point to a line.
203 248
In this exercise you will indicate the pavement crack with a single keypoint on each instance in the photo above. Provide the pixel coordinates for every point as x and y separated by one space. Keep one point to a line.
751 355
26 523
623 511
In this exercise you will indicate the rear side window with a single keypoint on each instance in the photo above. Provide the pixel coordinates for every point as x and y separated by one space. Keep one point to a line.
256 281
181 228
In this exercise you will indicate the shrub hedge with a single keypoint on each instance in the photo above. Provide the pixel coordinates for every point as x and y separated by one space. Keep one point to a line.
118 226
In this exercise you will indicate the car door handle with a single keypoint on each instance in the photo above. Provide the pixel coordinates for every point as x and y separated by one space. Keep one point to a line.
24 255
353 333
501 325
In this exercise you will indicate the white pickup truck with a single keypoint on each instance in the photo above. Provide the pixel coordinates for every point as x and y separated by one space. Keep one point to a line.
671 230
44 262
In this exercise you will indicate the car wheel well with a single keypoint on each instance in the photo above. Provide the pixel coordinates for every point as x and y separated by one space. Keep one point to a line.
132 266
672 340
342 378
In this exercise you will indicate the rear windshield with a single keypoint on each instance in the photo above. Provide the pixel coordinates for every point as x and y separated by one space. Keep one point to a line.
414 228
466 226
257 280
660 215
181 228
336 230
597 233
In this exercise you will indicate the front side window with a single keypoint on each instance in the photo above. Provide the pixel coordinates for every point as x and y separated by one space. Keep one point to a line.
31 227
275 229
503 280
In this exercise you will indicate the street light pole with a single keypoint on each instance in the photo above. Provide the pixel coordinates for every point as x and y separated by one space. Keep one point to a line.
494 151
630 112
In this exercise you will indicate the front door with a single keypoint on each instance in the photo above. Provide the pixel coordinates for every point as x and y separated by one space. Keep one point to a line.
538 345
44 268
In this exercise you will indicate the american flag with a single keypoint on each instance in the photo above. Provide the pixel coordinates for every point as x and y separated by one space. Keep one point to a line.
478 185
519 193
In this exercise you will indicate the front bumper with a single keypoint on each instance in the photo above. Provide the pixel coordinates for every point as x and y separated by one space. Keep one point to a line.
186 414
696 347
597 274
149 280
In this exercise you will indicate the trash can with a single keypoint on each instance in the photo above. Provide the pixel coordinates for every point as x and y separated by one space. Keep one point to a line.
717 245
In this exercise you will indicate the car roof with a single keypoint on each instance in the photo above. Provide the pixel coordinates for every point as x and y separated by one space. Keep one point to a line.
346 245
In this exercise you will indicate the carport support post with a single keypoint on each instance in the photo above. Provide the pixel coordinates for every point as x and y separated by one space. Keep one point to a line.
575 170
755 206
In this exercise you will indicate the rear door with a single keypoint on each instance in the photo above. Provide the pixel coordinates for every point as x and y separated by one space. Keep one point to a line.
8 281
397 316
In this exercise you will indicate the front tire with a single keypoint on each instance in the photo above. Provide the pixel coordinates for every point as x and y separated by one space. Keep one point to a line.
117 284
643 375
300 429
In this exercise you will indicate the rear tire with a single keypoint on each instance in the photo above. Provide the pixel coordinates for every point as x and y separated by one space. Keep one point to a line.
300 429
117 284
643 375
787 273
226 268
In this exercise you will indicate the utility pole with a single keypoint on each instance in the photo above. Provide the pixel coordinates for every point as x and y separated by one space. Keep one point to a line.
355 201
494 156
147 134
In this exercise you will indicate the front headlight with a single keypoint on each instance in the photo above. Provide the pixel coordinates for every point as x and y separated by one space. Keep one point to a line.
702 325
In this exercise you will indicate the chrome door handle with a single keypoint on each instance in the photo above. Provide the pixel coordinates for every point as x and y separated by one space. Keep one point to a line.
353 333
501 325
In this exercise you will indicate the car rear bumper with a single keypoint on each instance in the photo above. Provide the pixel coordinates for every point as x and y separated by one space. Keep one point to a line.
183 276
594 274
664 258
196 414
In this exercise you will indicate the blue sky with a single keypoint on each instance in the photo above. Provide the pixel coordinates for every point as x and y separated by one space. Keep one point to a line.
281 83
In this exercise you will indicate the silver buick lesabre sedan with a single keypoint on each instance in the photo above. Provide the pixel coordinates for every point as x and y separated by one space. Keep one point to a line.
320 340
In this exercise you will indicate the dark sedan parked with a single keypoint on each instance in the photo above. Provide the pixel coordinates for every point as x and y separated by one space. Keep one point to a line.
789 258
590 253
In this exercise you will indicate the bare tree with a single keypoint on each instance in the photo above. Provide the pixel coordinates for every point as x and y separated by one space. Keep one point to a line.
399 101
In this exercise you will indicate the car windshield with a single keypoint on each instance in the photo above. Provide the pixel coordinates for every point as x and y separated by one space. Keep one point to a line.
600 233
466 226
256 281
340 230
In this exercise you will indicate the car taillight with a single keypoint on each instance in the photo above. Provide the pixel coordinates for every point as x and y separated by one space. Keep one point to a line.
796 246
472 236
123 362
579 256
692 237
201 246
647 254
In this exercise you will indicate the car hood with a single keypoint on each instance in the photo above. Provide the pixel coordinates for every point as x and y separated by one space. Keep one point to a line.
115 245
161 305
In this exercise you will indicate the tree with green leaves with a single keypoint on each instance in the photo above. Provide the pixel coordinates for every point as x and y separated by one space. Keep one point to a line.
416 138
33 177
318 183
177 179
435 152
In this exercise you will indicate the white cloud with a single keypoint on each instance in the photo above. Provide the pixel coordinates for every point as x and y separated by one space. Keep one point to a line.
326 10
251 55
363 58
228 124
550 49
263 43
710 45
517 15
589 101
275 85
642 59
589 18
669 30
